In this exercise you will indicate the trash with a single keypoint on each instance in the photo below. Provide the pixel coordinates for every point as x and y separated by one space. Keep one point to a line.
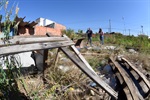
109 77
92 92
71 89
92 84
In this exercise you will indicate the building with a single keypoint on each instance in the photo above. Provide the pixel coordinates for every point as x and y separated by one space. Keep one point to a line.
43 22
47 26
25 28
39 27
19 28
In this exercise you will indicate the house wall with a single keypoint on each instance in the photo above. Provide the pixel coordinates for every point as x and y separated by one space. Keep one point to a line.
25 31
59 26
50 27
40 30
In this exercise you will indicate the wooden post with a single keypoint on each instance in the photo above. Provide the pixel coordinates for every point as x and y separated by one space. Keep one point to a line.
56 58
45 56
80 56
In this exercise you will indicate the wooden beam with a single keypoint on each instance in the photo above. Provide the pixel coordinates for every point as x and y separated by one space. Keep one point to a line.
56 58
89 72
22 40
123 86
31 47
95 54
133 90
28 36
143 84
80 56
138 72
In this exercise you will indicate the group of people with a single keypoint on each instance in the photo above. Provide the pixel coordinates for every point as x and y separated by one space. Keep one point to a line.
89 33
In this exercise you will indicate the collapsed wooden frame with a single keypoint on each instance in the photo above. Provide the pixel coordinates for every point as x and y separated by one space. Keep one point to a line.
131 81
32 43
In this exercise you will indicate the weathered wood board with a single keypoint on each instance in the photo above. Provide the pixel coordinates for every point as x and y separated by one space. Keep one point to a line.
29 40
34 46
139 73
133 90
123 85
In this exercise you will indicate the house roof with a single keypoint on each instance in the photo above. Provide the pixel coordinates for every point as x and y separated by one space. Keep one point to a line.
22 22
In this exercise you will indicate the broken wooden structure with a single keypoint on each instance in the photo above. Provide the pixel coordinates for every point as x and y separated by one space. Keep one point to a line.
132 83
20 44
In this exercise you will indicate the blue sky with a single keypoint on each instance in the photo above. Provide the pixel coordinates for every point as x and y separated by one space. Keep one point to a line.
126 16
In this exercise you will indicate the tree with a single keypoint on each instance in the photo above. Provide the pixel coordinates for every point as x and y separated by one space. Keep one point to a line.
80 31
69 32
8 84
8 18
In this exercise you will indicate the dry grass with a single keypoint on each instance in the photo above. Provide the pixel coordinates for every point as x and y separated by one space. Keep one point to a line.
63 85
64 82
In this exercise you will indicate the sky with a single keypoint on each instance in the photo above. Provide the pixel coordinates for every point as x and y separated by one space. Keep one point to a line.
124 16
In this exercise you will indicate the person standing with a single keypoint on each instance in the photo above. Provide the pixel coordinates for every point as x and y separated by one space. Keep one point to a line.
89 33
101 36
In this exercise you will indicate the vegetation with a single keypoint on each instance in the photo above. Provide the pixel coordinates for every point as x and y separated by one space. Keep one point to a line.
8 78
140 43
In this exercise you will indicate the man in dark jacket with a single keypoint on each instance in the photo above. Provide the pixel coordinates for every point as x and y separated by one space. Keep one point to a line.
89 33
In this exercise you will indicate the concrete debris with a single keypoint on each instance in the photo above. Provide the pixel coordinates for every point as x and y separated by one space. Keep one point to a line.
110 47
132 51
64 68
119 57
20 59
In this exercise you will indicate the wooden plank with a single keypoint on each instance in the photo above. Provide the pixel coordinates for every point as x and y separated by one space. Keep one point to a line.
56 58
80 56
95 54
140 84
22 40
121 81
78 43
89 72
138 72
126 90
35 46
27 36
133 90
140 78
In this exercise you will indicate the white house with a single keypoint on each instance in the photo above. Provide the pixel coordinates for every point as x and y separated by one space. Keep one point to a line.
44 22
